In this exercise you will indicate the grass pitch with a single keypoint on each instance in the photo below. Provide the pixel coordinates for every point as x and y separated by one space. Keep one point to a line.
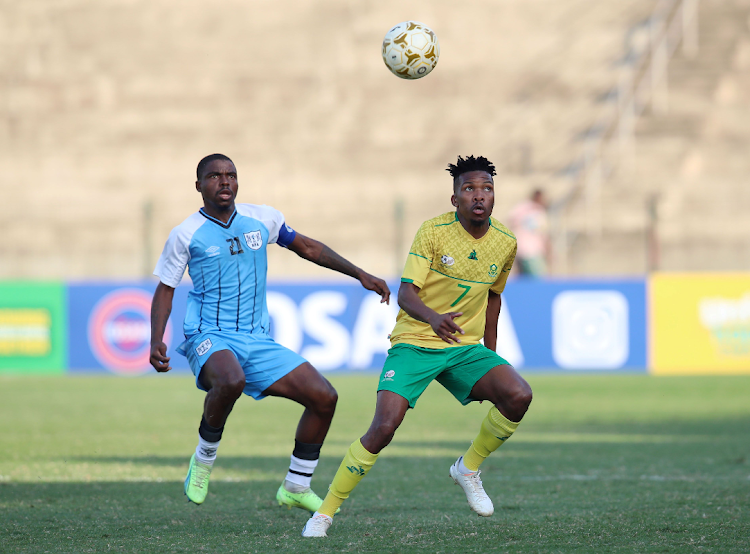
600 464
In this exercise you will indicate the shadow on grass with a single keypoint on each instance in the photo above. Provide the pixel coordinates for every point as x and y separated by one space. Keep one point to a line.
570 498
237 516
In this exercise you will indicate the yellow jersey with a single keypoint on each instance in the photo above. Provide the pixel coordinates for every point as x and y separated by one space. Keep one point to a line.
454 272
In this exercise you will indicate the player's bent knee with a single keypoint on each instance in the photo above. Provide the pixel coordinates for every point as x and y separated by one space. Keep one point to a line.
333 397
519 401
525 397
329 399
230 387
385 430
324 401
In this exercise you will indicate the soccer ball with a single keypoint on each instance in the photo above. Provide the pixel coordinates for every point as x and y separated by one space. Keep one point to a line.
410 50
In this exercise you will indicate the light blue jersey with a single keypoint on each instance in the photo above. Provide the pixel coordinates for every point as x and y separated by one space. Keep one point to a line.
226 309
227 263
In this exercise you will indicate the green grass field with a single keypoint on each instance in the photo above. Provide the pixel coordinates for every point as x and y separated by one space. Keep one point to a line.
600 464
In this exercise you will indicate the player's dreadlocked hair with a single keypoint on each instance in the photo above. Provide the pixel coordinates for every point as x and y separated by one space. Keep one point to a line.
208 159
470 163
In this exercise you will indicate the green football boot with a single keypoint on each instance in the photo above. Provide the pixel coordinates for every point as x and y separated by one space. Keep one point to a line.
196 482
307 500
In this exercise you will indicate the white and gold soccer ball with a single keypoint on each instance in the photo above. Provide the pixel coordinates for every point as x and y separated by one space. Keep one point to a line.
411 50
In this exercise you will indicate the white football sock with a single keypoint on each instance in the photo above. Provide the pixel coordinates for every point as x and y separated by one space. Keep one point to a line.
205 453
462 468
300 474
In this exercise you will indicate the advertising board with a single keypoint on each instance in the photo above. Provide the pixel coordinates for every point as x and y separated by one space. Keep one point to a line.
339 326
574 325
700 323
110 327
32 328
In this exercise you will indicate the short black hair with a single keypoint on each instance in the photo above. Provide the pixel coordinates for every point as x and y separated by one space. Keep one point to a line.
470 163
208 159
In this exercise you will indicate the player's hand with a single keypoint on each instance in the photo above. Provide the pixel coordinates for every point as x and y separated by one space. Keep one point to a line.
445 327
159 358
371 282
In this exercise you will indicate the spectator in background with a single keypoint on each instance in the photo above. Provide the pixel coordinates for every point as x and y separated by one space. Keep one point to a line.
528 220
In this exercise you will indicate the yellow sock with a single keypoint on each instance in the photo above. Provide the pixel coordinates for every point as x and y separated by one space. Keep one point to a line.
355 465
495 430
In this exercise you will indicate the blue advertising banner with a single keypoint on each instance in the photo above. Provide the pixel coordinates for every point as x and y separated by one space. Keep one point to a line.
334 326
574 325
109 327
544 325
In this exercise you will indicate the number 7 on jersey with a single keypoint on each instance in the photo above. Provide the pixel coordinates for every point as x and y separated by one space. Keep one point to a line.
467 287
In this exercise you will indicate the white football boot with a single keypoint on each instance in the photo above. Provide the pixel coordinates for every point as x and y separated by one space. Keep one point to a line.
472 486
317 525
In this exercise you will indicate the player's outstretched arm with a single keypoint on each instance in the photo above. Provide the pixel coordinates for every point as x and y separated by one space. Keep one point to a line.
494 303
442 324
161 307
320 254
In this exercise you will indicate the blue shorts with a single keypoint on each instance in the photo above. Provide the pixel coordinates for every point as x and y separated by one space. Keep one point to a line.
263 360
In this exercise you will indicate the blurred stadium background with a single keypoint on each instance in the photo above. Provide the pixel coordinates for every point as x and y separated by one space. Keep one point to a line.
632 115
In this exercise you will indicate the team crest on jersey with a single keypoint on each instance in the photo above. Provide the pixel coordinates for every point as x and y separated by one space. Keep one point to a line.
254 240
203 347
447 260
493 271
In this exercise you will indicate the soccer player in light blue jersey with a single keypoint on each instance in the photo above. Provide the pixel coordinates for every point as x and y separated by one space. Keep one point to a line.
223 246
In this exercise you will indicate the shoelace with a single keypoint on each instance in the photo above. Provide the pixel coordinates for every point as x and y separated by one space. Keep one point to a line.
476 483
302 495
199 476
318 522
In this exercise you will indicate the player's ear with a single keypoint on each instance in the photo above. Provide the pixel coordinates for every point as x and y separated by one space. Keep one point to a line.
454 200
198 186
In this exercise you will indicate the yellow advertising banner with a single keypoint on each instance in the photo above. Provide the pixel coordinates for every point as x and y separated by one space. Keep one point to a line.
700 323
25 332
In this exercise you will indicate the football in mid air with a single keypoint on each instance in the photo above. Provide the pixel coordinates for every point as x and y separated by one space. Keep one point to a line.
411 50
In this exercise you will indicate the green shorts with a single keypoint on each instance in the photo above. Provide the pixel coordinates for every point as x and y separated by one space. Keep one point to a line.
408 370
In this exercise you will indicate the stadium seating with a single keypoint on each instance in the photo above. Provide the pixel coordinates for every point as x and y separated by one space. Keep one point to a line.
110 105
690 159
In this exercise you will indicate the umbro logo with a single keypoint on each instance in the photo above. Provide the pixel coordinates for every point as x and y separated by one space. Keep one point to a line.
213 251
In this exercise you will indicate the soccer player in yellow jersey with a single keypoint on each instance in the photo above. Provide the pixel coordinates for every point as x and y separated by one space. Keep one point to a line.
450 299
